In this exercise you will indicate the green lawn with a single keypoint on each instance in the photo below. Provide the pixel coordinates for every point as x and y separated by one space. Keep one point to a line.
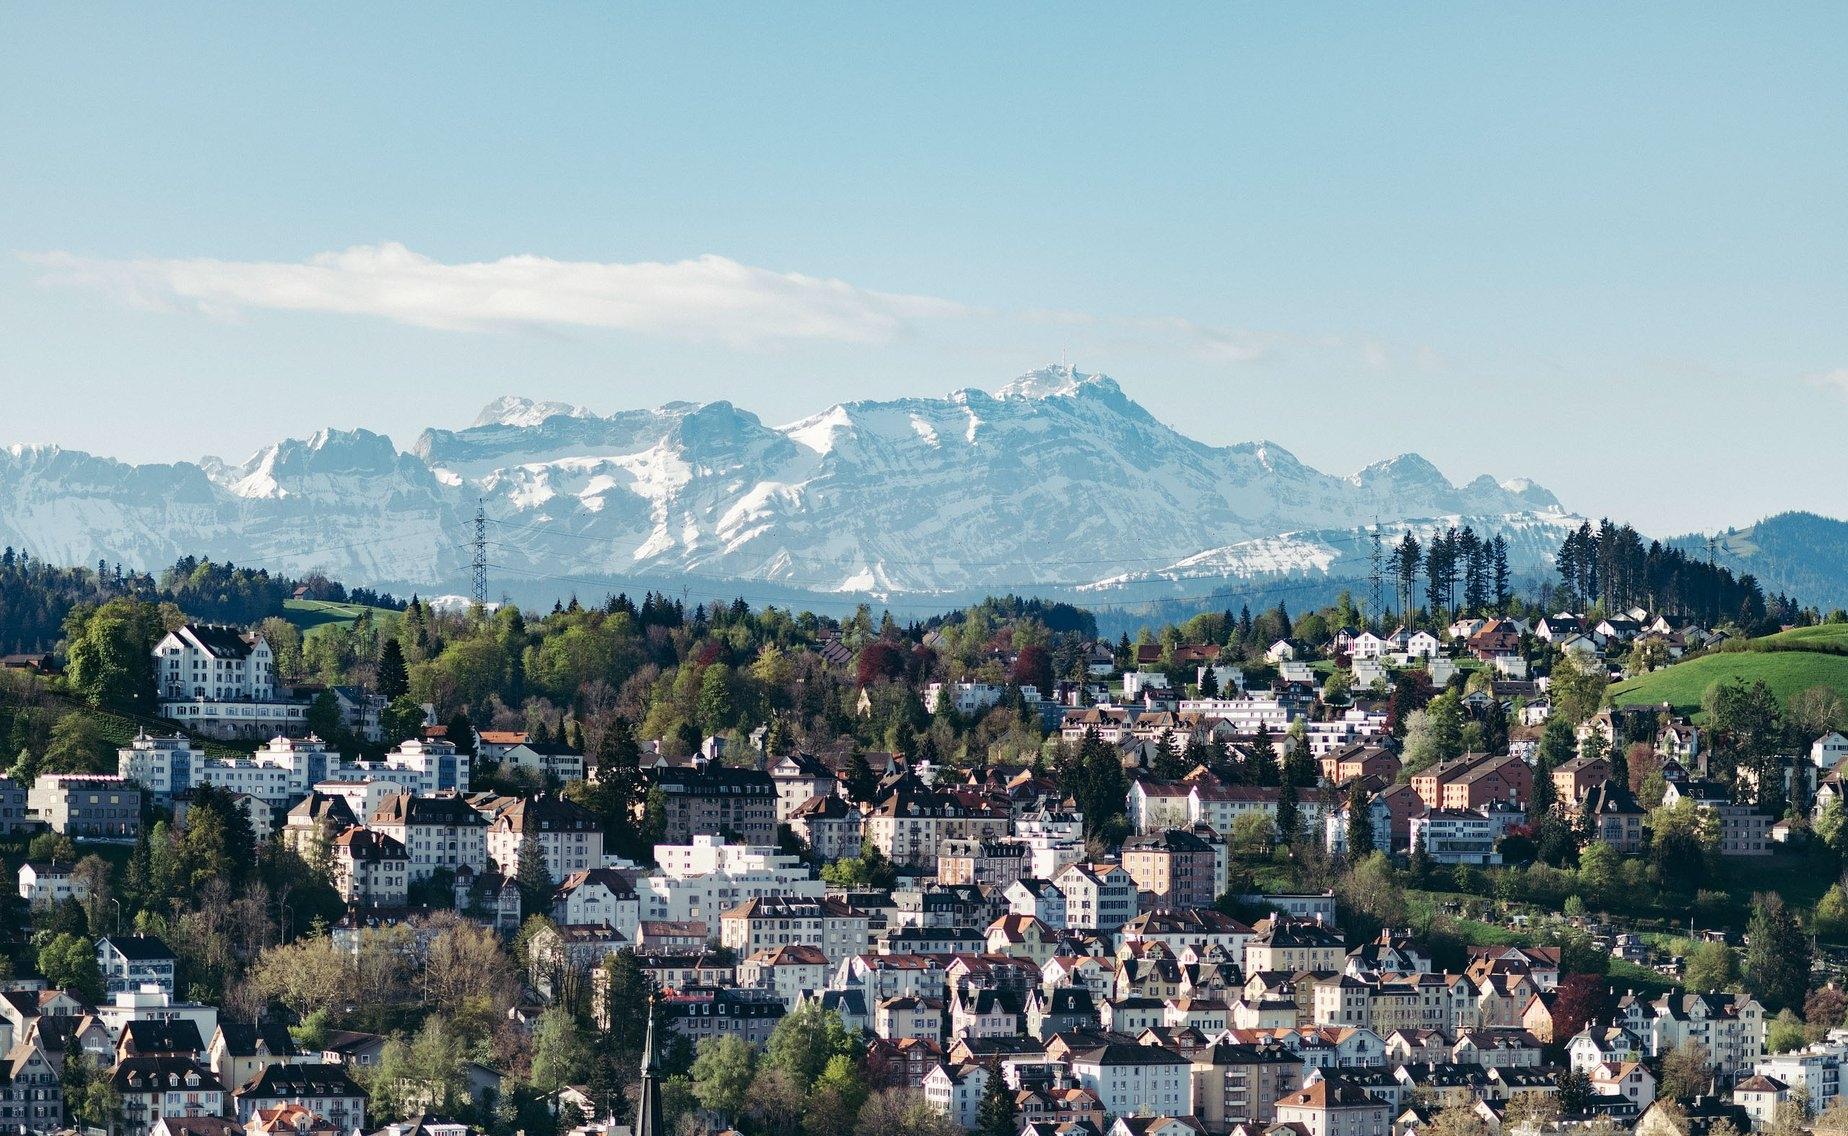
1785 672
310 615
1823 634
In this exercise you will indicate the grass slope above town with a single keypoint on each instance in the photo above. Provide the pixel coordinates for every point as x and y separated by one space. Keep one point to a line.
310 616
1788 662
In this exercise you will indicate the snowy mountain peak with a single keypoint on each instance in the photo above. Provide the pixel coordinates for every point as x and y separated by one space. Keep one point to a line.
1060 381
1056 477
512 410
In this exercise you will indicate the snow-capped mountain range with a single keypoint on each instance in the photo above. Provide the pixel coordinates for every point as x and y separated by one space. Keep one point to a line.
1056 480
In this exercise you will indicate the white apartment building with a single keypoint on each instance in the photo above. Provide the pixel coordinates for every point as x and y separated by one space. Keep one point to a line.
421 766
440 832
1352 728
363 795
213 662
152 1004
966 697
278 774
222 681
1816 1069
1246 713
779 921
1456 836
1097 896
567 834
1136 1080
708 877
598 897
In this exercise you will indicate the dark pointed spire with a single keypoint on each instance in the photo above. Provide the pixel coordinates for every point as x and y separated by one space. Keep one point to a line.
648 1108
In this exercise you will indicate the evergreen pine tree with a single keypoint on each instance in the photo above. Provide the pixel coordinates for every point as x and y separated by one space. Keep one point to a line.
1359 820
996 1114
862 784
1289 818
1167 765
533 878
1777 954
1264 770
394 676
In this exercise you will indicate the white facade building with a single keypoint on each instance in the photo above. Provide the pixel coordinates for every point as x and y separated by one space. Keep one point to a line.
966 697
280 773
419 765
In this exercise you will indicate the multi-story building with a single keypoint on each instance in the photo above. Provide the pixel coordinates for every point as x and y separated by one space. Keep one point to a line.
1743 829
1329 1106
955 1090
1574 777
31 1093
284 770
966 697
327 1090
1240 1084
222 681
1135 1080
1175 868
708 877
44 883
418 765
798 779
911 826
554 762
214 662
567 834
1474 780
13 815
439 832
155 1088
1815 1069
1729 1026
1281 943
829 825
129 962
83 805
717 800
772 921
370 868
997 862
1098 897
791 971
1455 836
315 820
698 1012
598 897
1615 816
1349 762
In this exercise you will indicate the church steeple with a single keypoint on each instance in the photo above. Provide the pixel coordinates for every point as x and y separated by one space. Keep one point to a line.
648 1108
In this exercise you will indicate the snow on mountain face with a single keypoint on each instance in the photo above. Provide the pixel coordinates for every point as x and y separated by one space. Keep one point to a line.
1056 478
509 410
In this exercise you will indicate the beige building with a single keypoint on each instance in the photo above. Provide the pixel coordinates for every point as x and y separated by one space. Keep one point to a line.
86 805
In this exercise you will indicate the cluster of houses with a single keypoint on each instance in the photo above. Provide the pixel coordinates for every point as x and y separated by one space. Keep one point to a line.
1108 990
174 1064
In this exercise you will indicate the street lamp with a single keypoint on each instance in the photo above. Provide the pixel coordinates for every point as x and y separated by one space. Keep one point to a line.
118 907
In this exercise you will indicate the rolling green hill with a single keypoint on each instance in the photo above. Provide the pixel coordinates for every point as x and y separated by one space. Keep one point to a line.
310 615
1785 671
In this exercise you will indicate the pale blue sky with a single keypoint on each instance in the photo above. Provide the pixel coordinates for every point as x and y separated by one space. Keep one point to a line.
1585 245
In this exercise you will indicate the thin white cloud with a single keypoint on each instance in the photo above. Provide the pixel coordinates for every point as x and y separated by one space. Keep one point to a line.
1836 380
705 298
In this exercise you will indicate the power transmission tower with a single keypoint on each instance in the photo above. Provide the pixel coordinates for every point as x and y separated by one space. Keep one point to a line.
1376 604
481 552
